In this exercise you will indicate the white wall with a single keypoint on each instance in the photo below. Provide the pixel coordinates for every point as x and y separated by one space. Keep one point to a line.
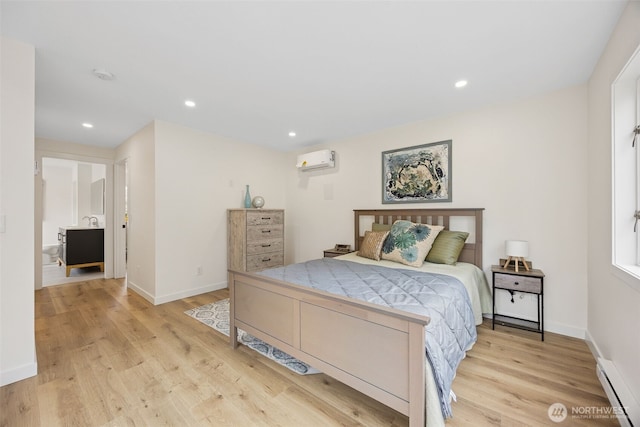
139 151
17 336
524 162
83 186
198 176
57 201
613 306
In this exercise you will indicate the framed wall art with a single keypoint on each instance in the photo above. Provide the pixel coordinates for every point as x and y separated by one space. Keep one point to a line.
418 174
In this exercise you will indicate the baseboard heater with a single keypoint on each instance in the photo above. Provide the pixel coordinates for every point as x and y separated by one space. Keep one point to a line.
619 395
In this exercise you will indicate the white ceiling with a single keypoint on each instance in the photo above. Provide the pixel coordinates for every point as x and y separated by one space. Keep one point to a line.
326 69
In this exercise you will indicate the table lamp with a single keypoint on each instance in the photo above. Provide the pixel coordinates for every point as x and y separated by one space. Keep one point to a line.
516 250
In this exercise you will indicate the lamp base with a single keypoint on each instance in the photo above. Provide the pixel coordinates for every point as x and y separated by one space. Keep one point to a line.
516 260
512 264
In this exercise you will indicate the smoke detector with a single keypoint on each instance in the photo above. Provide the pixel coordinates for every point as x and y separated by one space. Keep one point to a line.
103 74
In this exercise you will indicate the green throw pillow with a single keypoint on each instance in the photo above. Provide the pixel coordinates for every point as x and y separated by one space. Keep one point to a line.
447 247
380 227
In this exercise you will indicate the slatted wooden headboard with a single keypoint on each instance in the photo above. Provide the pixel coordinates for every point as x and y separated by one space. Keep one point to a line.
472 251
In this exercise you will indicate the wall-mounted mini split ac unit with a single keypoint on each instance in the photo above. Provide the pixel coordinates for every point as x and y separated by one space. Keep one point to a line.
316 160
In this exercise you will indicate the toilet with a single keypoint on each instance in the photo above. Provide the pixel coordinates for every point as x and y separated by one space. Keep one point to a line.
50 254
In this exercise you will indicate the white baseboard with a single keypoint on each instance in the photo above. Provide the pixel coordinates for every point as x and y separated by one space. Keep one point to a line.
554 327
595 351
562 329
177 295
189 293
18 374
138 290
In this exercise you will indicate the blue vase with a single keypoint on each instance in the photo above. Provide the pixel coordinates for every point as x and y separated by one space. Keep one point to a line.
247 199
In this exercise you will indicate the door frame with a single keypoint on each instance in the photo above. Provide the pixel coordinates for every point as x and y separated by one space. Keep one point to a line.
119 222
38 206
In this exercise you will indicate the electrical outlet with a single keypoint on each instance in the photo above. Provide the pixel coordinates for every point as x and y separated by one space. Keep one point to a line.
199 270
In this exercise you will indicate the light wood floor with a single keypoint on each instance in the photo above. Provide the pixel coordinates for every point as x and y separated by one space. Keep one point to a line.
108 357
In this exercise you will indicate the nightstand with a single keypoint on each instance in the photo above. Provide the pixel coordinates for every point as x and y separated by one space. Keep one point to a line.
330 253
530 282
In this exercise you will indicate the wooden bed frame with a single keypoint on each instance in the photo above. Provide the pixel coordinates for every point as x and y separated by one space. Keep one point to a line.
376 350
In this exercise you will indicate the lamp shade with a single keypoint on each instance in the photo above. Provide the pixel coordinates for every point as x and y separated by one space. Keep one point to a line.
517 248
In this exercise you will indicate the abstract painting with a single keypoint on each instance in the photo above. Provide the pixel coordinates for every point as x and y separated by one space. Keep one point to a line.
417 174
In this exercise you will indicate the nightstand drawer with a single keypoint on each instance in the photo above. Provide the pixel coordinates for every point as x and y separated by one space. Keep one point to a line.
518 283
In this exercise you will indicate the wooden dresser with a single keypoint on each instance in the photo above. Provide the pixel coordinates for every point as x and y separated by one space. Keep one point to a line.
255 239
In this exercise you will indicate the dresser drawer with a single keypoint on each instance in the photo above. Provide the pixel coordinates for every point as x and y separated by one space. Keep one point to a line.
260 262
261 232
518 283
265 218
263 246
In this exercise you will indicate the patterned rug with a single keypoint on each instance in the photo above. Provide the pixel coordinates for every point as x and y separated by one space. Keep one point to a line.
216 315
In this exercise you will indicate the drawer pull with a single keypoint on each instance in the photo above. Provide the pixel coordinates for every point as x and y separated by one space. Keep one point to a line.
266 246
266 231
266 217
516 283
266 259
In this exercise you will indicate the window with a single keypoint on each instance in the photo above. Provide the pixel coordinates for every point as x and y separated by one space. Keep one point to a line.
626 173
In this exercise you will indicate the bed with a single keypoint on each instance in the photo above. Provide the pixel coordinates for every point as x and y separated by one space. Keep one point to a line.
334 332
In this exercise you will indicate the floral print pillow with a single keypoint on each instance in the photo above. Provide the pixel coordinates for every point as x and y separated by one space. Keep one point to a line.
409 243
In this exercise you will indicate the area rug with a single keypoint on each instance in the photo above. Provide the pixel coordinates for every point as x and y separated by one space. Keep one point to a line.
216 315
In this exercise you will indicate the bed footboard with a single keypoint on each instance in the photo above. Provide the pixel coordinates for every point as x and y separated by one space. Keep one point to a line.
376 350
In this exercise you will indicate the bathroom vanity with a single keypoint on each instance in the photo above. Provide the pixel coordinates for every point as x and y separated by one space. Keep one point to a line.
81 247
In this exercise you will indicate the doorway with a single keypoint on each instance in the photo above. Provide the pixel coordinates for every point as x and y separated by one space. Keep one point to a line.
73 197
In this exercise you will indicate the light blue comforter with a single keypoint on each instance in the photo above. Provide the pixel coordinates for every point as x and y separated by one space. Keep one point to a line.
443 298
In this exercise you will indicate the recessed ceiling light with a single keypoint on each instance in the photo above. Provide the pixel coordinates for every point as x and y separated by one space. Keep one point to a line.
87 125
189 103
461 83
292 134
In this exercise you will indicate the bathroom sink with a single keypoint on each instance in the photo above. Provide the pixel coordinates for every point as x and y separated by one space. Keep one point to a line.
81 227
